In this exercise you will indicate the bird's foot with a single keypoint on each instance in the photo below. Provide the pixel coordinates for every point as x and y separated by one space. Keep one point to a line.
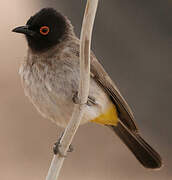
57 145
91 100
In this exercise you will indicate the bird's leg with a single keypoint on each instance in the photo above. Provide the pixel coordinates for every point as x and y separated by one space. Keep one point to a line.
91 100
56 147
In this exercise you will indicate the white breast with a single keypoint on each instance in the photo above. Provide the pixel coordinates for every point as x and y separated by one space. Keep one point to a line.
51 90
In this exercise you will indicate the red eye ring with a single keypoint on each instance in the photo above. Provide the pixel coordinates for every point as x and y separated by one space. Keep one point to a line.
44 30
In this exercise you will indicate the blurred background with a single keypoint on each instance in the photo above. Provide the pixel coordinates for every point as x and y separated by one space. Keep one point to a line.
133 40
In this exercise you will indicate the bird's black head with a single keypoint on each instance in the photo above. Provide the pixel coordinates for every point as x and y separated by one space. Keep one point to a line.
44 30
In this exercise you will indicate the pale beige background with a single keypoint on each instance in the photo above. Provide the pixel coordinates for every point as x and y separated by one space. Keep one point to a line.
133 39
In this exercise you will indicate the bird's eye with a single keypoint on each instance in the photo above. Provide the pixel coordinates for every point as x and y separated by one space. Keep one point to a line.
44 30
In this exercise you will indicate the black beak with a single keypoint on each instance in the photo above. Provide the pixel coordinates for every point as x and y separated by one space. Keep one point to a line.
24 30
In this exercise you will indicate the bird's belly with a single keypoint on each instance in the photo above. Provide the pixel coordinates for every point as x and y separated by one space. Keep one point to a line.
54 101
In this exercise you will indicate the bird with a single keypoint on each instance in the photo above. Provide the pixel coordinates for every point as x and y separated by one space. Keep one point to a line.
50 78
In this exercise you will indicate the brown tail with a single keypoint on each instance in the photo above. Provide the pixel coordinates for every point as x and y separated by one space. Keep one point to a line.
147 156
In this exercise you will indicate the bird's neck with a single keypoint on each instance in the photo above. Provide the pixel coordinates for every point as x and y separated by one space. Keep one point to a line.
54 51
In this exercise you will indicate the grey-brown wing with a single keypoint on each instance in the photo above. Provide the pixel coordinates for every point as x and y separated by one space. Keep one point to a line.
102 78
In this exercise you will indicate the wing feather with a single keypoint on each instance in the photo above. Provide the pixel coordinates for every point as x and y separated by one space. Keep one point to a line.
102 78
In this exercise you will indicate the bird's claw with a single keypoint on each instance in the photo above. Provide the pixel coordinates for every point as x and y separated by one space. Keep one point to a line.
91 100
56 148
